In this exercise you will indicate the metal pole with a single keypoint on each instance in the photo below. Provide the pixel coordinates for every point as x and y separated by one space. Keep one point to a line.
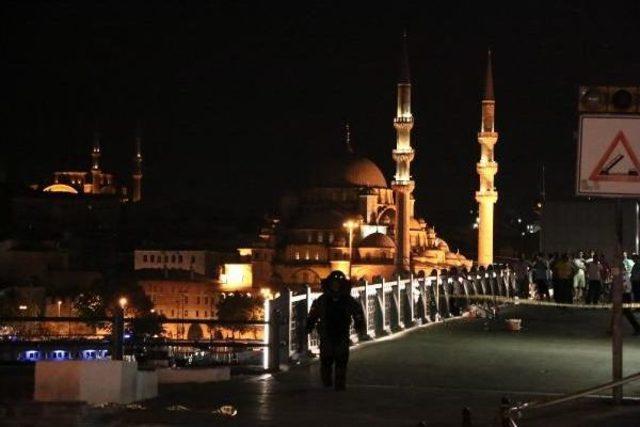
117 334
616 336
616 310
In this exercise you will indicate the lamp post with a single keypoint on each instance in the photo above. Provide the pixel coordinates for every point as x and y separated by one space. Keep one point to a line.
351 225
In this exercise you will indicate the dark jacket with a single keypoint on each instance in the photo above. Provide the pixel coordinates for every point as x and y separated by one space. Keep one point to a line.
332 313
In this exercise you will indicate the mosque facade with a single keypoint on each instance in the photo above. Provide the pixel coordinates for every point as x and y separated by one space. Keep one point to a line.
351 218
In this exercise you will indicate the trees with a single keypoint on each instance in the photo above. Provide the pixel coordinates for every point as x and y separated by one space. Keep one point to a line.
103 301
239 308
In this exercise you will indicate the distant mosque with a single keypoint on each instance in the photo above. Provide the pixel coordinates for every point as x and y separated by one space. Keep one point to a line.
98 182
351 219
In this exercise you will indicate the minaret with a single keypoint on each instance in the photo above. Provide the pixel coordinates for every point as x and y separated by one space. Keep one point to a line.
403 155
136 194
487 168
96 174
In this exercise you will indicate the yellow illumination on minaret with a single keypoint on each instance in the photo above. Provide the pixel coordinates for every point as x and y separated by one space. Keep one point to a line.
96 174
137 169
487 168
403 155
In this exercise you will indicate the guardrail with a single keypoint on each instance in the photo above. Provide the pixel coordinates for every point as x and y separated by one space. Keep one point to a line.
509 413
392 306
389 307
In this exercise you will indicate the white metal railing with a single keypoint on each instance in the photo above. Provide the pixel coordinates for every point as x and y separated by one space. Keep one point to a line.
388 306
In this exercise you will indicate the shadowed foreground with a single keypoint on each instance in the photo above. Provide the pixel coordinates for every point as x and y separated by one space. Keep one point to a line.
426 375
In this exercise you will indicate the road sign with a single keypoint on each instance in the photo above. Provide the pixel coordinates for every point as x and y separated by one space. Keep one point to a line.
608 153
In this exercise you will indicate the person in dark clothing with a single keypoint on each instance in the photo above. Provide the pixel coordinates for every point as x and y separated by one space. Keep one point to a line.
332 313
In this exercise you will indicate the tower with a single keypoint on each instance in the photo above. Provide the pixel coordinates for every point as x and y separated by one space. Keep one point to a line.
136 194
403 155
96 173
487 168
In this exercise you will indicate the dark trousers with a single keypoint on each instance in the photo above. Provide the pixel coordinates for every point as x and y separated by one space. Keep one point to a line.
594 291
523 287
542 288
626 297
334 354
565 295
635 286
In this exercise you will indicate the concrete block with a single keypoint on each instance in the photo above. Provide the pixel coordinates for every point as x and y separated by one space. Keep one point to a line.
196 375
146 385
98 381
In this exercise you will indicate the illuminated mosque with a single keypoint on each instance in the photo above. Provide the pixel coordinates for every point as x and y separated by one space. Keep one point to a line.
352 219
97 181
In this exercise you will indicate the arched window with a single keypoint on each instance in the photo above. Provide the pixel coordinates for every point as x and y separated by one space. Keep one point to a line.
153 258
173 259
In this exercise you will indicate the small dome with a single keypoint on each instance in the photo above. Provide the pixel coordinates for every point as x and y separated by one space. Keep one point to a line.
351 171
377 240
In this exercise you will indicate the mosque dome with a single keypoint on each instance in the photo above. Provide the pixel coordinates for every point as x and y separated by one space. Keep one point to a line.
351 171
377 240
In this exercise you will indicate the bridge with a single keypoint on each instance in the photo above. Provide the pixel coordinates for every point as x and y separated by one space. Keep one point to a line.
419 362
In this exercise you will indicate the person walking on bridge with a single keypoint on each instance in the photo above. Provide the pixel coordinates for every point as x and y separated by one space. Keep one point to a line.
332 313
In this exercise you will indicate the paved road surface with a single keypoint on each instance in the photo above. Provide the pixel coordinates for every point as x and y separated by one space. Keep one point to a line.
430 375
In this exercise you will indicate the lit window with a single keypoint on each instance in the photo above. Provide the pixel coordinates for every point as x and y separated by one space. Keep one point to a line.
317 256
320 237
309 238
306 255
297 255
331 237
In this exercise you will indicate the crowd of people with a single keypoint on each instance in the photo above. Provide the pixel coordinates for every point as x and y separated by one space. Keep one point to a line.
576 278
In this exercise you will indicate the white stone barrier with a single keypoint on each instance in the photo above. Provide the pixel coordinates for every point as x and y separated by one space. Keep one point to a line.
100 381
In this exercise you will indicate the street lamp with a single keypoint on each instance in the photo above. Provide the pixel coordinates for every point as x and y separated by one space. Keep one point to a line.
351 225
123 305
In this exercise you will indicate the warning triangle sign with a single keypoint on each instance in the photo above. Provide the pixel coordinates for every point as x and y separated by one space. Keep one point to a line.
606 169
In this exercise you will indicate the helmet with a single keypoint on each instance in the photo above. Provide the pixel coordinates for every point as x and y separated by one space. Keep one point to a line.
335 276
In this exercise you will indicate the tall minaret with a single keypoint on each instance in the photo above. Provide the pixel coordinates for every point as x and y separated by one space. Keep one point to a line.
487 168
403 155
136 194
96 174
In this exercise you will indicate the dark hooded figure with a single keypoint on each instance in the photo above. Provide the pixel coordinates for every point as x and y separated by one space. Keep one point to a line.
332 312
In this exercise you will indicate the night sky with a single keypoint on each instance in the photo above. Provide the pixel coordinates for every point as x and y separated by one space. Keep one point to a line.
236 100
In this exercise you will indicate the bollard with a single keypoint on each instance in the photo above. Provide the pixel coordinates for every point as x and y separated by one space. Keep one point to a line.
466 417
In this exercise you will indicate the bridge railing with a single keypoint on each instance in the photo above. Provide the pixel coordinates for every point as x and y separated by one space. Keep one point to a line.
390 307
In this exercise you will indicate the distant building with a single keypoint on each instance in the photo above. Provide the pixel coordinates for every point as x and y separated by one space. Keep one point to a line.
96 181
350 218
569 226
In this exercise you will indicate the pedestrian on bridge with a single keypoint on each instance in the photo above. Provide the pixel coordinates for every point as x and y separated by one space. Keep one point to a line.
332 313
